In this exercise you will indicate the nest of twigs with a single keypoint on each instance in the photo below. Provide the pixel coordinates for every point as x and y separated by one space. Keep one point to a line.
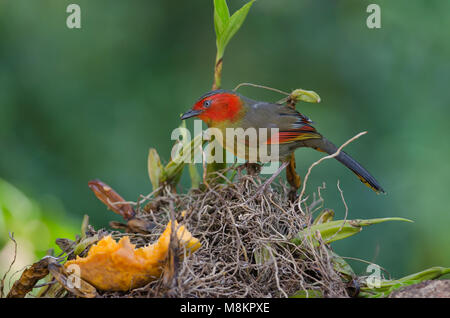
246 249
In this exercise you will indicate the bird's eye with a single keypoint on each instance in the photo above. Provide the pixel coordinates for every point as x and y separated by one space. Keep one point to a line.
207 103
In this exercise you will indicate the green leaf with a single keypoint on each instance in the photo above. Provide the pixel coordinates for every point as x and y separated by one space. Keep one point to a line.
195 176
230 29
221 16
301 95
81 246
214 166
175 167
430 273
84 226
155 168
338 230
325 216
193 173
388 286
340 265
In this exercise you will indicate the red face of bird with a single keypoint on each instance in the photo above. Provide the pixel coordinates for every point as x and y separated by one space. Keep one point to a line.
216 107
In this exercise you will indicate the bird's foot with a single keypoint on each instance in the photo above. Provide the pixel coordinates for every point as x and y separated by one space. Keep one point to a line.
253 169
292 195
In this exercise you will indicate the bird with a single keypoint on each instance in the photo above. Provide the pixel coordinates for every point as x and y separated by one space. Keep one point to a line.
222 109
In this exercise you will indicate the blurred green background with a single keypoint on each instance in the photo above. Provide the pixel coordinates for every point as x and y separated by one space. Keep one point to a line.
88 103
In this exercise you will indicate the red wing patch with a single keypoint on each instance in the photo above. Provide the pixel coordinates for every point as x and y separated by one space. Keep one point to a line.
284 137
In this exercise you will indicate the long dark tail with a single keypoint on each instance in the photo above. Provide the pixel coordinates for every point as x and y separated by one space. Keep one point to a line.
327 146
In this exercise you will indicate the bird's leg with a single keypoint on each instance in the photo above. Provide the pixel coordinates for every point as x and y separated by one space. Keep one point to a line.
239 170
291 174
270 180
253 168
293 178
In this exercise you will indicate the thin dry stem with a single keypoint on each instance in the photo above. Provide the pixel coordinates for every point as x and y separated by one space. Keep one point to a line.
338 151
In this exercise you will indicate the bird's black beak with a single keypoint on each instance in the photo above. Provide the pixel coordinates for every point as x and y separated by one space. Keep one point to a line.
191 113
